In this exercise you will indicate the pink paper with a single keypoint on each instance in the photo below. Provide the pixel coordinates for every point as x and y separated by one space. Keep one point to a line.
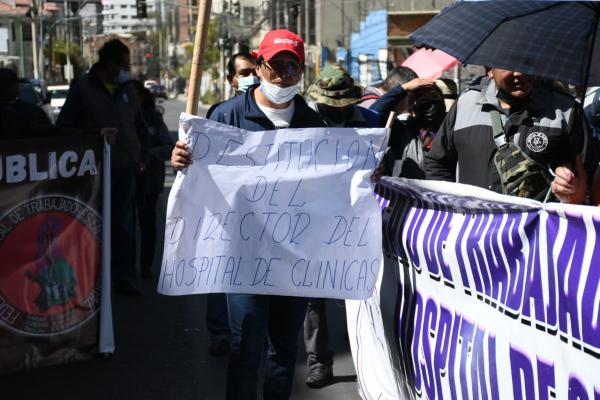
430 64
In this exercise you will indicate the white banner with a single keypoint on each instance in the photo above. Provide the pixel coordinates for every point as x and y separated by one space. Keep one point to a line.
482 296
287 212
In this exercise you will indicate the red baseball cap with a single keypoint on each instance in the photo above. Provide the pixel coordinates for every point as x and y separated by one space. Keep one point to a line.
280 40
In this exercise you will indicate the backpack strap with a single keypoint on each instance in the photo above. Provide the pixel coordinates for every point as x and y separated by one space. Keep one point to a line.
498 129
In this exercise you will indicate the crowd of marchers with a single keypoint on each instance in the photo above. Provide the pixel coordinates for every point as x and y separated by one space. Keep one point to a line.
508 132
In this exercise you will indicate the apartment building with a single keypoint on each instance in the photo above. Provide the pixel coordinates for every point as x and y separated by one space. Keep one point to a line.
120 17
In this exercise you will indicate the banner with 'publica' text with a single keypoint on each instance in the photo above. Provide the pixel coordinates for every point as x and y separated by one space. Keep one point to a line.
288 212
482 296
51 230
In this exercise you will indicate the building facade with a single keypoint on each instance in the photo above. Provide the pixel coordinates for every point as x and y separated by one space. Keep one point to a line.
17 29
15 37
120 17
383 38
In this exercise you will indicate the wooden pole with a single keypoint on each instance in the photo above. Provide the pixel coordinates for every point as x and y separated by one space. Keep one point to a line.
198 56
390 119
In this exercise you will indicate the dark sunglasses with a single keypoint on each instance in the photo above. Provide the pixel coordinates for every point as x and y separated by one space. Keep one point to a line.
282 68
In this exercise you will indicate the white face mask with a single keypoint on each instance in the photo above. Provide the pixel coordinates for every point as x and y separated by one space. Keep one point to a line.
124 76
276 94
245 82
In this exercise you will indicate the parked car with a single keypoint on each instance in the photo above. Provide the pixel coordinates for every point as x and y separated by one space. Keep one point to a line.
58 95
33 92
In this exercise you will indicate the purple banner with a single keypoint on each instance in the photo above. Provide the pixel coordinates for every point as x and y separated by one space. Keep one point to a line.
495 297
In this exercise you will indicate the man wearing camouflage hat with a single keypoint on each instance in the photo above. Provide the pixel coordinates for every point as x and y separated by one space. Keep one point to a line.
335 95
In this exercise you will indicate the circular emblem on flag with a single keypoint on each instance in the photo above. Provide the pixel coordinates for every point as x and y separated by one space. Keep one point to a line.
50 249
537 141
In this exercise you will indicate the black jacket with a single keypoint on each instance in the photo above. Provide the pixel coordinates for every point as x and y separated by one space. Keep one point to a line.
548 129
22 120
90 107
160 144
243 112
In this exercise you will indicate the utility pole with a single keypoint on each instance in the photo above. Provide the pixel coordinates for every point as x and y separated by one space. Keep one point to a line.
172 37
343 23
159 27
359 11
274 19
163 31
68 72
34 13
41 61
223 37
190 19
301 22
306 75
80 23
307 21
21 49
318 36
222 68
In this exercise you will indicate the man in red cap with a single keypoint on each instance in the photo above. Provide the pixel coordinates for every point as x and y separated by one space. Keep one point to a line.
274 103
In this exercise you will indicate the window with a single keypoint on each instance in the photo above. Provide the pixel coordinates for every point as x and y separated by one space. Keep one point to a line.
3 40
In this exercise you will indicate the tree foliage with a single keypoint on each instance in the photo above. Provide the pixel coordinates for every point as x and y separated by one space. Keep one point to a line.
211 52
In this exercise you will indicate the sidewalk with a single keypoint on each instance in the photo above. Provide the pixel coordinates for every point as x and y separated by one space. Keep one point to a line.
162 354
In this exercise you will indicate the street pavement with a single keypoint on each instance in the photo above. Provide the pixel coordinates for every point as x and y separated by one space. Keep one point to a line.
162 347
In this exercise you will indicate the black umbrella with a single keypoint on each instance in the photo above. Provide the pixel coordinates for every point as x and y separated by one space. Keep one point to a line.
550 39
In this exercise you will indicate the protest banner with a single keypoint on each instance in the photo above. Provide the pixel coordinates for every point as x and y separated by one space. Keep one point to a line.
51 244
482 296
287 212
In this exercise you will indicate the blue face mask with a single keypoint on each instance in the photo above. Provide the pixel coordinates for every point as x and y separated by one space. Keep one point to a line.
124 76
245 82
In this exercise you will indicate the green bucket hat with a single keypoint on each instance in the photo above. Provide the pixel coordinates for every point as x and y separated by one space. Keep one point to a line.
334 87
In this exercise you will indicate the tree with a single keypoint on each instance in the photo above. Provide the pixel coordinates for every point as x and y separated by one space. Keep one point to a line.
211 52
59 56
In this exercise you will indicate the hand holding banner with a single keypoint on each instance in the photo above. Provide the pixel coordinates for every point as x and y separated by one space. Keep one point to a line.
287 212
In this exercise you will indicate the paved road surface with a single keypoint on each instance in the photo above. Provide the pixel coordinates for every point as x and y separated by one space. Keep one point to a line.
162 350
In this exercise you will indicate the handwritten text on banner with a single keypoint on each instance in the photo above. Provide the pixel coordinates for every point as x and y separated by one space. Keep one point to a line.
287 212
